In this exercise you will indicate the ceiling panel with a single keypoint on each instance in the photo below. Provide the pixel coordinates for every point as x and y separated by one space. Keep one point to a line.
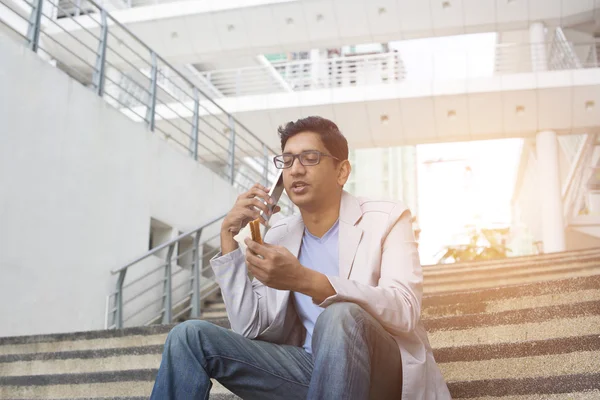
418 122
450 16
382 17
554 108
260 124
447 126
259 21
176 38
351 118
542 9
147 32
325 111
485 114
479 12
231 29
351 21
321 20
514 122
570 7
289 23
384 131
414 16
284 115
513 11
204 33
583 117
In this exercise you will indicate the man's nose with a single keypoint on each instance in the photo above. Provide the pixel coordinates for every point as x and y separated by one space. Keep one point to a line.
297 168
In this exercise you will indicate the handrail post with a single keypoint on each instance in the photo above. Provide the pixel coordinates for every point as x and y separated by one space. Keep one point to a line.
150 114
266 164
168 293
99 73
35 21
118 313
232 150
194 139
196 267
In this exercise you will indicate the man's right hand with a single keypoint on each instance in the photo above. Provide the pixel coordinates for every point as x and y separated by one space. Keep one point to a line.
247 208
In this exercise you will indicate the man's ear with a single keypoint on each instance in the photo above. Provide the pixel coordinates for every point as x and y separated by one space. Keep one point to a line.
344 172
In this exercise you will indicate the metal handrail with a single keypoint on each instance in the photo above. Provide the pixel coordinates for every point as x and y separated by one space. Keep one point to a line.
165 62
117 310
166 244
164 93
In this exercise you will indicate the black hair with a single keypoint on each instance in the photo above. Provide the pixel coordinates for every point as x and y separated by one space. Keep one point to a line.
330 134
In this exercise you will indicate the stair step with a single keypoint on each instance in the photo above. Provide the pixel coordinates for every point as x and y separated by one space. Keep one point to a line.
514 291
92 340
113 384
80 345
528 348
477 274
496 334
83 354
521 368
472 283
128 362
524 261
541 386
512 304
513 317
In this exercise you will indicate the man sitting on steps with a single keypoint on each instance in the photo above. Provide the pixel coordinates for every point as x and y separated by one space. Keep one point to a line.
333 311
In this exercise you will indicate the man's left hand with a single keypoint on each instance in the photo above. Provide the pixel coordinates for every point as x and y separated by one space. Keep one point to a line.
278 268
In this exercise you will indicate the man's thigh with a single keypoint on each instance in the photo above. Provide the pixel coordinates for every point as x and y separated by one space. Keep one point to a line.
386 362
254 369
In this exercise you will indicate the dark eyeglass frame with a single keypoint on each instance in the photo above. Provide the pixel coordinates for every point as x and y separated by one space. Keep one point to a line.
299 157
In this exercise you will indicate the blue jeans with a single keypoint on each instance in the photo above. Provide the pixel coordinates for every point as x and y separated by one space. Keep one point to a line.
353 358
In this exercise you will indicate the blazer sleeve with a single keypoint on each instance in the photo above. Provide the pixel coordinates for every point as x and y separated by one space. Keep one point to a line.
245 300
396 300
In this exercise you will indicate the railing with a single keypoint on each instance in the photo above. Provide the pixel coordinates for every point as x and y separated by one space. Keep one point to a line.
561 53
593 57
302 75
575 191
130 76
173 289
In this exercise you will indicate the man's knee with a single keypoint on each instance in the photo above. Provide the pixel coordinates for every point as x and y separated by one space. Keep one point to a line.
190 332
339 319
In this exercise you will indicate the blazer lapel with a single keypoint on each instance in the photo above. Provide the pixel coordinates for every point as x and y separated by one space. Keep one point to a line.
291 241
349 234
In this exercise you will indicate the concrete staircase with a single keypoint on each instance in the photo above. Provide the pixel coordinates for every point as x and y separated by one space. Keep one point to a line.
523 328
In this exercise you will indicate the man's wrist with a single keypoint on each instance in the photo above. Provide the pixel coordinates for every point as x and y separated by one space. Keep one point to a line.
316 285
228 243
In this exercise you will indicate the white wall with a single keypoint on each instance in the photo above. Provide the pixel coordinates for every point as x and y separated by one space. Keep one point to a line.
79 183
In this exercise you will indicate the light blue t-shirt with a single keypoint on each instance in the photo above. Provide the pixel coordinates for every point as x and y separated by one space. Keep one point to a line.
318 254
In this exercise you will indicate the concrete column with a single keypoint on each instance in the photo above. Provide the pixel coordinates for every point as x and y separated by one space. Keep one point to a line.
537 40
553 224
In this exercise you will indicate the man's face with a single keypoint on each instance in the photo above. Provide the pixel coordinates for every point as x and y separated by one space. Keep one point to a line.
308 186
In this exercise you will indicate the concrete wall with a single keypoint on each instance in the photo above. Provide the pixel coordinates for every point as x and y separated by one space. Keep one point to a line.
79 184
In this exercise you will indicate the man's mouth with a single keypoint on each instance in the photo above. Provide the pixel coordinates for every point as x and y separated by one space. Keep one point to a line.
299 187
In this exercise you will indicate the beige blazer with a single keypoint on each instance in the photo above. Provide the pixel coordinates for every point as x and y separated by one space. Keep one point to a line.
379 270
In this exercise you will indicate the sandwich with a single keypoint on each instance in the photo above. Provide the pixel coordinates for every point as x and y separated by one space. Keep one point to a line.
255 231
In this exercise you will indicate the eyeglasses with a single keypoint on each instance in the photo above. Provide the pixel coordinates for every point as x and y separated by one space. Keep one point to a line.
306 158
